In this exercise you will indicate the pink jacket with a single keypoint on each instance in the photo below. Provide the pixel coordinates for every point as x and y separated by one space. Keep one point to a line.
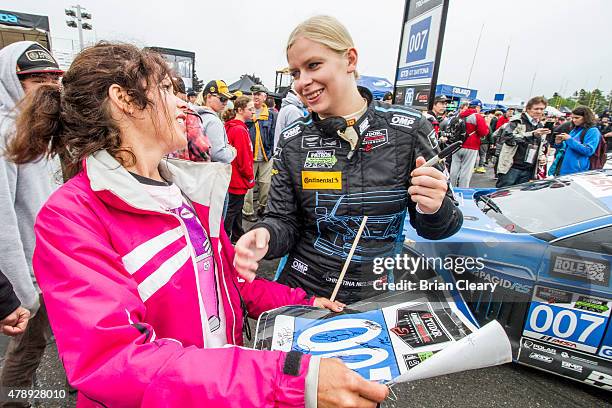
118 279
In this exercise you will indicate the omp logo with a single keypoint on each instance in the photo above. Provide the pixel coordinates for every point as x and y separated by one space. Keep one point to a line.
461 91
400 120
299 266
8 18
540 357
291 132
571 366
322 180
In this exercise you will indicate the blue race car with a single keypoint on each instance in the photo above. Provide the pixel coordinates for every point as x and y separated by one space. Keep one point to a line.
544 251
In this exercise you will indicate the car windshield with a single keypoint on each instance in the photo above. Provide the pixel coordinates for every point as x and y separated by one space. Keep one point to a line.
541 206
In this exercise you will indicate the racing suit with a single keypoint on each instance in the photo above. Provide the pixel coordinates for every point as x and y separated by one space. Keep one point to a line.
321 189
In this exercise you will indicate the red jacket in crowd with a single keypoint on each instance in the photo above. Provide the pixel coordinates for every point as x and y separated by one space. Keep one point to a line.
501 121
476 128
242 166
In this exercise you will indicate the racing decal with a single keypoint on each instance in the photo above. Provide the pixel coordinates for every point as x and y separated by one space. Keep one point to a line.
550 295
277 153
299 266
320 159
403 121
322 180
501 282
591 304
566 327
295 130
541 357
374 139
599 185
600 380
318 142
567 363
413 360
596 272
418 328
339 217
606 352
539 347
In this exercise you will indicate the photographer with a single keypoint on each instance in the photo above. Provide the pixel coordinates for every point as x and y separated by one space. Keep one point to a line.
523 145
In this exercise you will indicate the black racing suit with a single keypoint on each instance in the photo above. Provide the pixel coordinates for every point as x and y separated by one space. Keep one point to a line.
321 190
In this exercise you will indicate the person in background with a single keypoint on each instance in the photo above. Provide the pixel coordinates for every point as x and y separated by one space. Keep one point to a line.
191 97
388 98
261 128
464 160
180 88
436 114
13 317
494 119
505 118
214 97
271 104
605 128
292 109
24 66
523 145
574 150
136 270
242 166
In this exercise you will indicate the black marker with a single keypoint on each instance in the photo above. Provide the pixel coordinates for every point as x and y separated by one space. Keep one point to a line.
446 152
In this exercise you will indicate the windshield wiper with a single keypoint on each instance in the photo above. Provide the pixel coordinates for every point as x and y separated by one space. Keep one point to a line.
491 205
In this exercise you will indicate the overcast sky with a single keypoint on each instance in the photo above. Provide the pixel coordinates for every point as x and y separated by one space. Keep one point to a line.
564 43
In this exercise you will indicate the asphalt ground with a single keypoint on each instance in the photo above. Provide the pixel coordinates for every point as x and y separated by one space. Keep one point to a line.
510 385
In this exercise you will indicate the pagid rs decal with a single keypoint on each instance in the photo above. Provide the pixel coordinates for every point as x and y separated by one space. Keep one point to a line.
322 180
596 272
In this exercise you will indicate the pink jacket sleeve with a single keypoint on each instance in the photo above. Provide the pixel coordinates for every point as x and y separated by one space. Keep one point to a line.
261 294
107 347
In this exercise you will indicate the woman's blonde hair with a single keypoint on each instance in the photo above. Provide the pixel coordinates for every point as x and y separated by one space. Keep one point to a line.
200 100
325 30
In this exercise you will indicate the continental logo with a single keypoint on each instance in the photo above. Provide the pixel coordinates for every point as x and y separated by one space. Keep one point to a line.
322 180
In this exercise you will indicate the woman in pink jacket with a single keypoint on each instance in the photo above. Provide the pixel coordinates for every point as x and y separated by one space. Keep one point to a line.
131 256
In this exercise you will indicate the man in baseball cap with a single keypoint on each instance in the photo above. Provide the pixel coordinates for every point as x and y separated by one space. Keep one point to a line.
36 65
24 65
218 87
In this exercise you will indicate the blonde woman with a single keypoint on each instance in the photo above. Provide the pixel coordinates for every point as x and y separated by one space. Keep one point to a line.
346 160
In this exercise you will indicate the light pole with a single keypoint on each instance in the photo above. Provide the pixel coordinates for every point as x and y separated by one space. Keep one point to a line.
77 12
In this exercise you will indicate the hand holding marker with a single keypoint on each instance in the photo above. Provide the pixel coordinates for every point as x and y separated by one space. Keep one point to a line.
446 152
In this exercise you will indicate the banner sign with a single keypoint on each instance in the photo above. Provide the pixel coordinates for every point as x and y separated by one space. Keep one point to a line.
420 51
11 18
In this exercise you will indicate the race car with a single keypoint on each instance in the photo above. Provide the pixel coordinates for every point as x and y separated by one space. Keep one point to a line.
546 247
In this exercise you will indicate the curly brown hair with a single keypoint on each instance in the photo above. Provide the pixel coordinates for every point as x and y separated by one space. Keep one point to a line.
240 103
73 120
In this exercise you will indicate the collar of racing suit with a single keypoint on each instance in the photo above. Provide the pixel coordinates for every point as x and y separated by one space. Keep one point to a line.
203 183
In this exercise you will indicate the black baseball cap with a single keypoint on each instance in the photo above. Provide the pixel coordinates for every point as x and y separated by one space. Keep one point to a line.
440 98
218 86
36 60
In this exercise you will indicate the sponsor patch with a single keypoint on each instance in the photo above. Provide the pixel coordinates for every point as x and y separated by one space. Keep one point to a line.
320 159
419 328
540 357
403 121
322 180
580 269
318 142
277 153
591 304
550 295
291 132
299 266
364 126
433 140
528 344
374 139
